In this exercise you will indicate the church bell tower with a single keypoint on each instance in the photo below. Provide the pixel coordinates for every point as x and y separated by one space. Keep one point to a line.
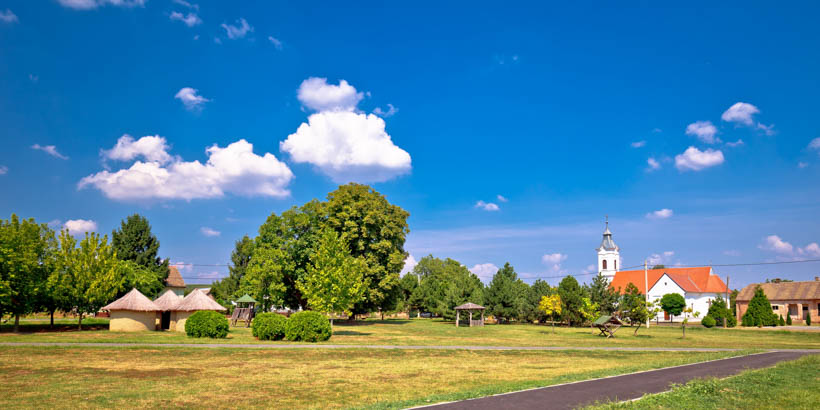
609 256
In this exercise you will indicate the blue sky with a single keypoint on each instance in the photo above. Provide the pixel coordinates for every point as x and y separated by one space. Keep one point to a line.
694 128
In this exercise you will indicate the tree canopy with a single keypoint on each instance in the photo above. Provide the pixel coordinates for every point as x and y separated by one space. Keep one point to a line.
134 242
572 298
506 295
673 303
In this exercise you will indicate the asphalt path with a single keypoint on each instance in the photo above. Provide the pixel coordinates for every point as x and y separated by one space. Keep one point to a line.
620 388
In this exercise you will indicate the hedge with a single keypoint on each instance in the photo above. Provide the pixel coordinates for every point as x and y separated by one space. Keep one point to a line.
307 326
708 321
207 323
269 326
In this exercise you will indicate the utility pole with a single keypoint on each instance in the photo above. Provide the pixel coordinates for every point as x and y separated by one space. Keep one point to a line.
728 302
646 291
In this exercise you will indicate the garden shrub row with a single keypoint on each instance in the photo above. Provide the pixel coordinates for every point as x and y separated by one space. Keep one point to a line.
305 326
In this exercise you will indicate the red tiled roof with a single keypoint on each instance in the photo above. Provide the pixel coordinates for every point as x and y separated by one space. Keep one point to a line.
699 280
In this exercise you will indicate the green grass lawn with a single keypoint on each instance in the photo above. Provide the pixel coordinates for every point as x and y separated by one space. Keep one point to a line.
788 385
128 377
438 332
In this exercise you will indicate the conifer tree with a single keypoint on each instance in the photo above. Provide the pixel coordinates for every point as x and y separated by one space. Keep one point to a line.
134 242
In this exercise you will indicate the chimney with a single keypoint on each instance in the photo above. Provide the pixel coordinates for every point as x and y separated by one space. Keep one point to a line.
817 278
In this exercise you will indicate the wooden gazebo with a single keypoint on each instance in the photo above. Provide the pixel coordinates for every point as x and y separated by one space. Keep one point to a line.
471 307
608 325
245 313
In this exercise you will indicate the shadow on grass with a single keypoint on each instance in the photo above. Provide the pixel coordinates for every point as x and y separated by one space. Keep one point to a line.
371 322
45 328
350 333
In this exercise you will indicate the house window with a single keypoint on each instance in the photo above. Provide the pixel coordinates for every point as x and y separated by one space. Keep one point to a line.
604 263
775 307
616 265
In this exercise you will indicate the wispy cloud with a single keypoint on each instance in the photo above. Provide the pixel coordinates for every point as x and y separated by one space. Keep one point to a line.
8 16
93 4
240 30
391 111
276 42
737 143
4 170
501 198
190 19
704 131
638 144
660 214
50 150
190 99
653 165
209 232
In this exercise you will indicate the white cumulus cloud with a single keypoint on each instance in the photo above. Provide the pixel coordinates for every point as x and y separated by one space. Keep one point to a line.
740 112
315 93
92 4
660 214
703 130
80 226
190 19
409 263
776 244
190 99
694 159
240 30
487 206
660 258
50 150
553 258
484 271
209 232
233 169
150 147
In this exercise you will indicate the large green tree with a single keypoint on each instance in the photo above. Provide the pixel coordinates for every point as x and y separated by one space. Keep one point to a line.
506 295
601 294
87 277
532 309
633 307
408 284
375 230
26 260
264 278
134 242
443 285
759 313
572 299
227 288
334 280
673 303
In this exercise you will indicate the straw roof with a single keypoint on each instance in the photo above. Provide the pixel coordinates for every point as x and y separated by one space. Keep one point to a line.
197 300
133 301
174 279
469 306
168 301
783 291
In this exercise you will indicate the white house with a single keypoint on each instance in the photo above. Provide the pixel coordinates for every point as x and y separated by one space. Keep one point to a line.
698 286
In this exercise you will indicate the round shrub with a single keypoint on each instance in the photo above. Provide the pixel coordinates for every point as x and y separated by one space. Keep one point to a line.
307 326
207 323
269 326
708 321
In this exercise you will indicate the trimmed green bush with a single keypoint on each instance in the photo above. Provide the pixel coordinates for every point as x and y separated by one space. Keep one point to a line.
307 326
789 319
782 321
269 326
760 312
708 321
718 310
808 319
207 323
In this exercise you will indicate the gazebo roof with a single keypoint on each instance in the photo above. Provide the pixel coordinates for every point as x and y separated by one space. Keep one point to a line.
168 301
607 319
133 301
246 299
197 300
469 306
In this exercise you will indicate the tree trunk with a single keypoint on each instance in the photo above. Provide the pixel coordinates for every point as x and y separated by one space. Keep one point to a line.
636 330
684 332
80 322
331 324
16 323
553 326
52 319
382 312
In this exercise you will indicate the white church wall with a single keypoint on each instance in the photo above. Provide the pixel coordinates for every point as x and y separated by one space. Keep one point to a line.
663 286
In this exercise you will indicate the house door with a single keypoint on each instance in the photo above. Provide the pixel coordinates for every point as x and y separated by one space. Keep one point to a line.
665 315
165 322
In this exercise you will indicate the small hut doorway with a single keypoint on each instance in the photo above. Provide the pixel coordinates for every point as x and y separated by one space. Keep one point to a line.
165 321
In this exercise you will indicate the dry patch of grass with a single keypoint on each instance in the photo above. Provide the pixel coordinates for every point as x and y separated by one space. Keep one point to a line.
56 377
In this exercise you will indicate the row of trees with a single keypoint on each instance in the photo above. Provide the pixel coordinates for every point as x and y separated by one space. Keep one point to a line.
41 270
438 286
342 255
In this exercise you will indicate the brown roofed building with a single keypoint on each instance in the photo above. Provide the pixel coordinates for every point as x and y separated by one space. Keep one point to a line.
174 281
795 299
194 302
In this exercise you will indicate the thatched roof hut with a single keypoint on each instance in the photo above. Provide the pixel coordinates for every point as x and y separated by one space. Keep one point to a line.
168 301
132 313
194 302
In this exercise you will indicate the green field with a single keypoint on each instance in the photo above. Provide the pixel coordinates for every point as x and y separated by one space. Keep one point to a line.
437 332
788 385
58 377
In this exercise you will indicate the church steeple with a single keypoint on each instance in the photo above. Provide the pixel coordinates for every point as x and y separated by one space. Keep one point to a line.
608 254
